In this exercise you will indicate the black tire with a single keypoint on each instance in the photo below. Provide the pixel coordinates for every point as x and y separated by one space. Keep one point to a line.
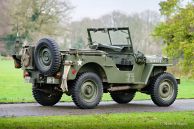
48 98
123 97
47 57
87 90
164 89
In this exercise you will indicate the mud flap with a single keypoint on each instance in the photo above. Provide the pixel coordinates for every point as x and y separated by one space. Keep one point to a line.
64 86
178 81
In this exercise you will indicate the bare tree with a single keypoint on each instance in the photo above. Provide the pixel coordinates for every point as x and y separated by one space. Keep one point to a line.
35 18
4 18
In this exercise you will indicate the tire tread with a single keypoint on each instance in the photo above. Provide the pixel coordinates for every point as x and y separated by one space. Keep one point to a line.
153 89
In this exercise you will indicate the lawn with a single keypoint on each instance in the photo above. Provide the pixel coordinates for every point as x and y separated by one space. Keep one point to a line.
172 120
13 88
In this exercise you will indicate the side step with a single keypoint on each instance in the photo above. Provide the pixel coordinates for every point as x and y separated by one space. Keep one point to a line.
120 88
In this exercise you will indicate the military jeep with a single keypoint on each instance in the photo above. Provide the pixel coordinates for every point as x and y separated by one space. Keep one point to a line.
109 65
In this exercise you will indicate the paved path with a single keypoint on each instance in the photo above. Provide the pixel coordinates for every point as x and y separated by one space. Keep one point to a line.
34 109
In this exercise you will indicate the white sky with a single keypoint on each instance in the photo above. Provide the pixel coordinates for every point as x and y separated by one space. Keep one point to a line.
97 8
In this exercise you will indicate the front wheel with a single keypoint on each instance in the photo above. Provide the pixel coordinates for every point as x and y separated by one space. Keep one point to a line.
87 90
164 89
46 95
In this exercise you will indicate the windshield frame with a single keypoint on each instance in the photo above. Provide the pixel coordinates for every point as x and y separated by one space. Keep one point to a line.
108 30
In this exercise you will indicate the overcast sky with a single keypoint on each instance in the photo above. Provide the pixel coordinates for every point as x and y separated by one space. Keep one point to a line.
97 8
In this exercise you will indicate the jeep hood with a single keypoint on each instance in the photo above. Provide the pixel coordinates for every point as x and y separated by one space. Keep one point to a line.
156 59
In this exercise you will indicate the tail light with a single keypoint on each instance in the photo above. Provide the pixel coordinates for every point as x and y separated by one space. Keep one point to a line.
58 75
26 74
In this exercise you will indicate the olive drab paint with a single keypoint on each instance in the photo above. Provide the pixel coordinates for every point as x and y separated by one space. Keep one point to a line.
116 63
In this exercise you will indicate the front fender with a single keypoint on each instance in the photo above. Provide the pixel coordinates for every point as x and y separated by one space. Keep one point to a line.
148 70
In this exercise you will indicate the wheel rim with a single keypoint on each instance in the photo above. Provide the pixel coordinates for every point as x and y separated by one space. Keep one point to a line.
89 91
44 58
166 90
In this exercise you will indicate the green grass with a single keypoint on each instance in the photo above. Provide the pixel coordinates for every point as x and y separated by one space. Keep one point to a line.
172 120
13 88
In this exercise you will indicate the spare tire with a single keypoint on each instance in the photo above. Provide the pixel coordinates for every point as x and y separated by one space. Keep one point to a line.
47 56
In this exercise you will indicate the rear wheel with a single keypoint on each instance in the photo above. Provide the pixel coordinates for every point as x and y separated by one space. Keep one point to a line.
164 89
123 97
87 90
46 95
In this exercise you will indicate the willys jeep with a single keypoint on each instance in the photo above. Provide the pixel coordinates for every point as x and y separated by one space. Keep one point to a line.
109 66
